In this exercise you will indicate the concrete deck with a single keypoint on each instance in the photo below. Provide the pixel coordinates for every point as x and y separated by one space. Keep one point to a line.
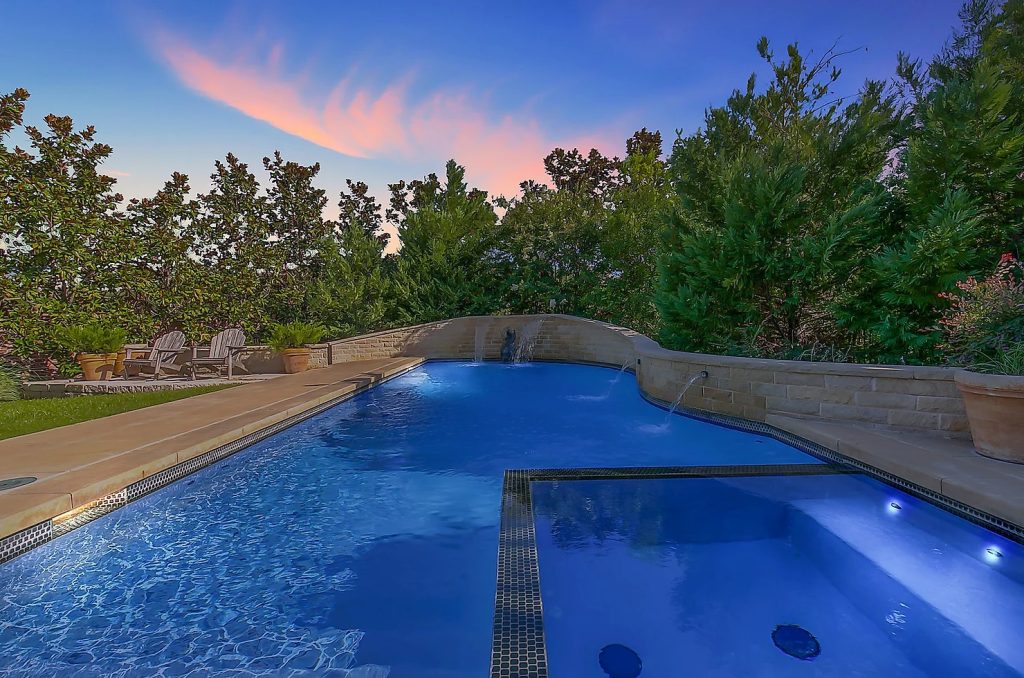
946 465
80 463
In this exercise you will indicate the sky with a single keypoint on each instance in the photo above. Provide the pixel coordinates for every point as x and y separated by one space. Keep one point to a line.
381 91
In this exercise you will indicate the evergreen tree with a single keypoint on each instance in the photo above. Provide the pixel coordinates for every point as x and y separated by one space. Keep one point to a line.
959 181
779 206
445 229
351 294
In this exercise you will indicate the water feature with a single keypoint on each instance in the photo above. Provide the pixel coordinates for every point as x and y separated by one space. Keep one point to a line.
612 383
686 387
480 340
527 341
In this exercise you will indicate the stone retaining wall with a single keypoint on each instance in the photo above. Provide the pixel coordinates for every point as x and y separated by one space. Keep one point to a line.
919 398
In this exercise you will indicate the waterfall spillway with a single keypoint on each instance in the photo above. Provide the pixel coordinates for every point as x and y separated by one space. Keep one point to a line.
527 341
480 340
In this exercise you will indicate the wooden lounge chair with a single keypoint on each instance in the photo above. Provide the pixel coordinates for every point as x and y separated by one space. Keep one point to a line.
221 352
164 350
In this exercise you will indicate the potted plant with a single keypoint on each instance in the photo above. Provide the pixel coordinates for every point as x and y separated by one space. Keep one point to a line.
291 340
95 346
984 330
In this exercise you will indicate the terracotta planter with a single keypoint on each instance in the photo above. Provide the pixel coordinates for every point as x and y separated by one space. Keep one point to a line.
119 362
295 360
995 410
96 366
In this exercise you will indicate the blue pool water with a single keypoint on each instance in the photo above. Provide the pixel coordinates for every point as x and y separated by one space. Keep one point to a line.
360 543
361 540
694 575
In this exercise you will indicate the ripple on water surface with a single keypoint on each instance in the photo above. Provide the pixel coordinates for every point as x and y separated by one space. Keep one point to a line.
360 541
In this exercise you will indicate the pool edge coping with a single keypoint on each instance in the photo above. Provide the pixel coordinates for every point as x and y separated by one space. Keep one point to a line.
27 539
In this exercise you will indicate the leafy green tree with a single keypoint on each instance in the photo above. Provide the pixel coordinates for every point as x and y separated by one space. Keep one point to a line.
445 230
169 289
230 237
630 236
779 205
959 181
295 209
64 238
351 293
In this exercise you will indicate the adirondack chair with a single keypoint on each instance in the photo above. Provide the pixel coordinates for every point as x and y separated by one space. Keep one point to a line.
221 352
163 352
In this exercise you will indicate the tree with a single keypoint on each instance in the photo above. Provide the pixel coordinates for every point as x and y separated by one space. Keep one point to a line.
959 180
170 289
351 294
445 231
64 239
779 206
295 229
230 239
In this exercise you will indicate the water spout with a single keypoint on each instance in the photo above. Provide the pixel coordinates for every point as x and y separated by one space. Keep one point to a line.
527 341
703 374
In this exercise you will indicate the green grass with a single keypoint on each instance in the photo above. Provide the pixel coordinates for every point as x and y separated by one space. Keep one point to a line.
19 417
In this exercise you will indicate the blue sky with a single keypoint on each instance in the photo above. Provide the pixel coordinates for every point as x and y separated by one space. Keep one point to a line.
382 91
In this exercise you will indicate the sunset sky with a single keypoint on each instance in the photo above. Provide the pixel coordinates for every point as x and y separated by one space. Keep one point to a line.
380 91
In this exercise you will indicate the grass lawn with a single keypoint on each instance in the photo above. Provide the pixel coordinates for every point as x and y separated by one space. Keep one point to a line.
19 417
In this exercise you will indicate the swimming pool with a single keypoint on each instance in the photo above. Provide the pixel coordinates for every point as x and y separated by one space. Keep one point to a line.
361 542
713 573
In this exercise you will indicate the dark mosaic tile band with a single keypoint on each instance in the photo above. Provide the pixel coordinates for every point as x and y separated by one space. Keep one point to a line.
37 535
517 645
642 472
24 541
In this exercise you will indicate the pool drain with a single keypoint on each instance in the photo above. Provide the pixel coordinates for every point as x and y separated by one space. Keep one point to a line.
618 661
796 641
11 483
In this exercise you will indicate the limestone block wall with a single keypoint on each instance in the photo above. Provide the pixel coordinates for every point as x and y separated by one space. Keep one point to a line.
921 398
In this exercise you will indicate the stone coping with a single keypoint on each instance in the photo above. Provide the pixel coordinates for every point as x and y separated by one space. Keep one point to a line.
644 346
81 463
947 466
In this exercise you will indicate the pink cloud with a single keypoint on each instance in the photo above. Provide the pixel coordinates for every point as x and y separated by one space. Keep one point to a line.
498 151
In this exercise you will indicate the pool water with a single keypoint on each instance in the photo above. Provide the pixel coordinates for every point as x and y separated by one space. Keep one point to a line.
695 575
361 542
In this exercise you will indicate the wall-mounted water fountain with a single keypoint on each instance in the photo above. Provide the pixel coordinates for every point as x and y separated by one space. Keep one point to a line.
480 339
527 341
703 374
518 347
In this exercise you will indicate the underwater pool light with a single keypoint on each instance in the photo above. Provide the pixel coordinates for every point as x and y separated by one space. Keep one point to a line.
893 508
992 554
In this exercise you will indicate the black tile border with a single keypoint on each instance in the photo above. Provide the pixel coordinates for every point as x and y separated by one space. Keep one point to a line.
518 648
24 541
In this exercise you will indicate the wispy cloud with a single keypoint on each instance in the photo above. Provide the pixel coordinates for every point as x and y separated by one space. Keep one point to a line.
499 150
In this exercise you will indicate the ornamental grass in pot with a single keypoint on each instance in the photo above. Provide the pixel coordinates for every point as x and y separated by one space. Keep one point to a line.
291 340
95 346
984 330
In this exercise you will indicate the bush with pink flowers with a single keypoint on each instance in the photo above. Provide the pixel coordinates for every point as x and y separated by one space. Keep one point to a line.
984 325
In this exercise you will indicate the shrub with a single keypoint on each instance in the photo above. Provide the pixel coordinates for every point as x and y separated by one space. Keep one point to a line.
294 335
9 378
95 337
984 326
